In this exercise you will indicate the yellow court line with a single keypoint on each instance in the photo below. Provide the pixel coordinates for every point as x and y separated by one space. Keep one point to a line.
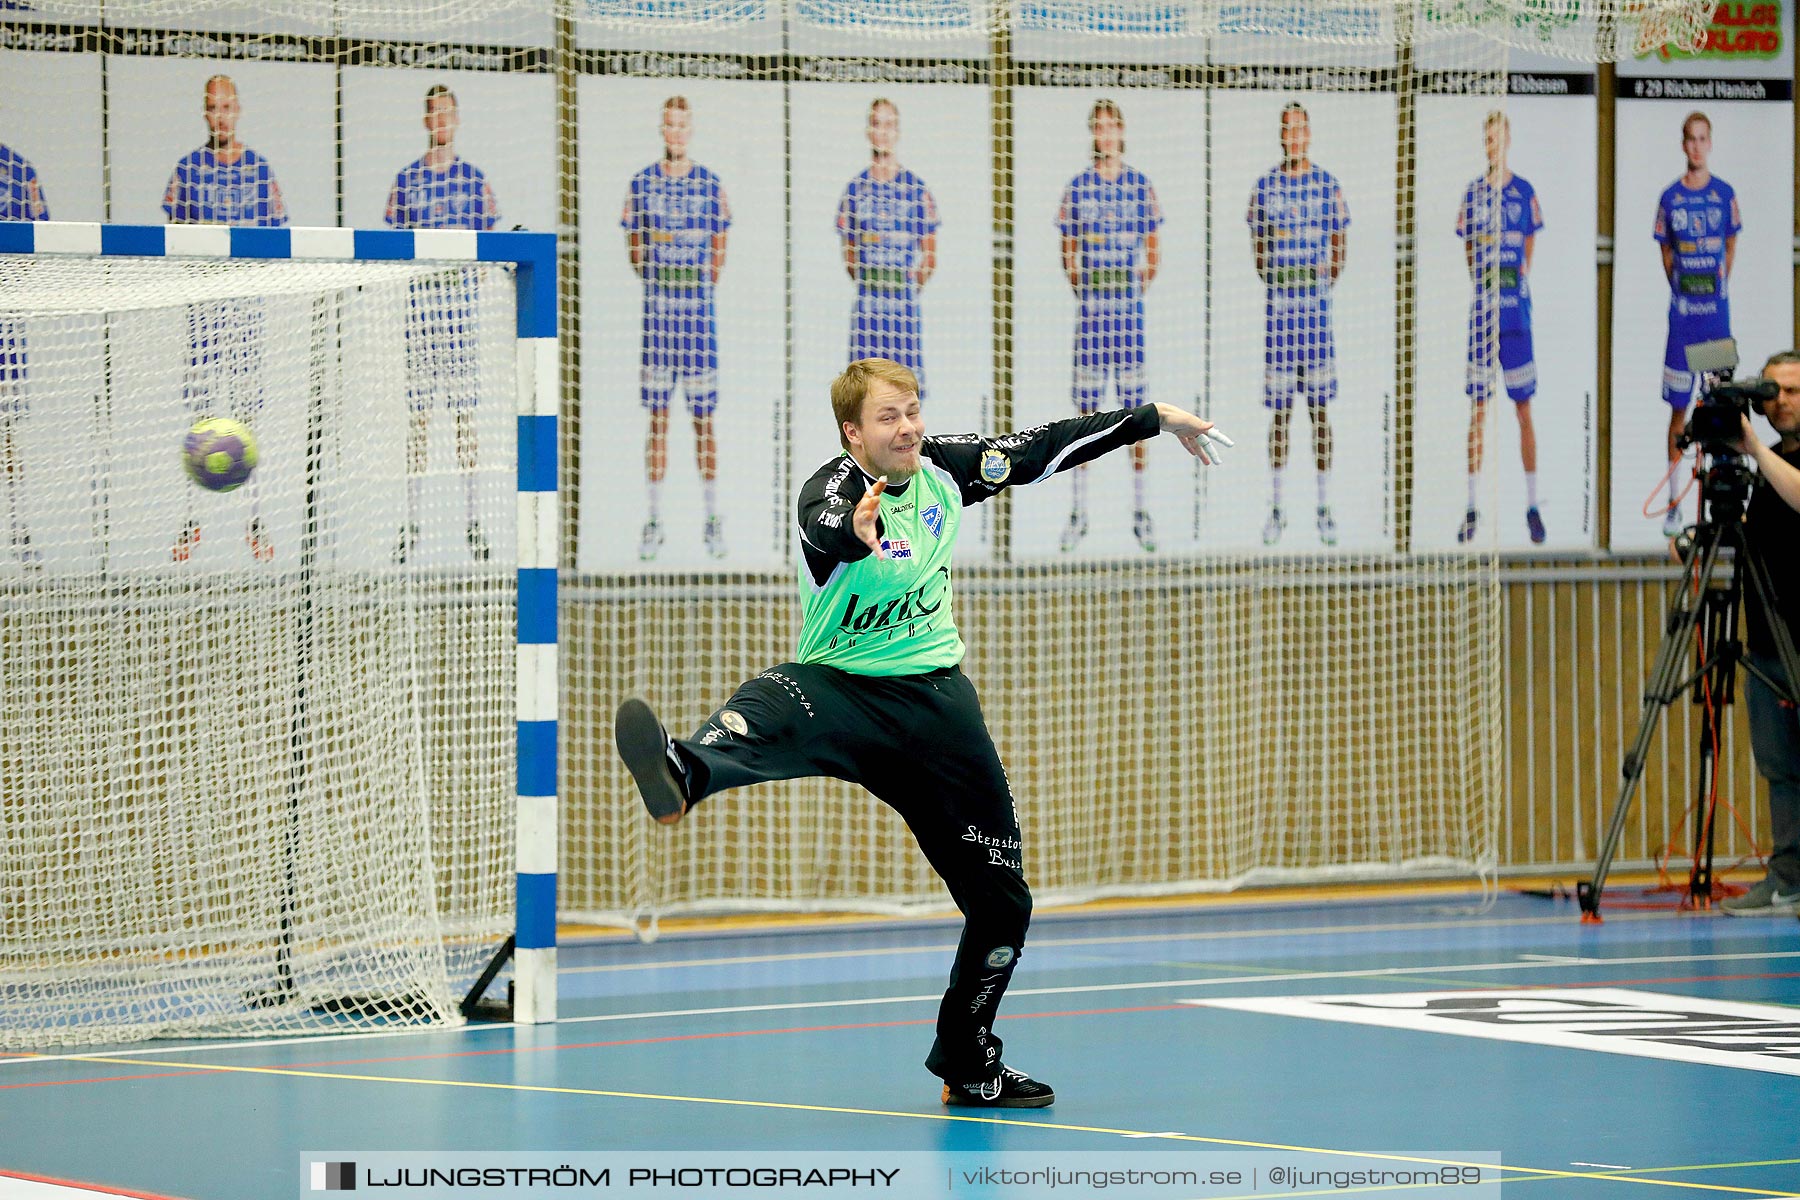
877 1112
1628 1175
1052 942
1266 897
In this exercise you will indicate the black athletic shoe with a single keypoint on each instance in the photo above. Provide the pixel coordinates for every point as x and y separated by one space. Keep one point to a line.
1009 1089
648 753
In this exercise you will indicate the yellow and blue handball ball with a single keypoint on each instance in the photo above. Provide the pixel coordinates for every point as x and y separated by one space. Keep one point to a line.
219 453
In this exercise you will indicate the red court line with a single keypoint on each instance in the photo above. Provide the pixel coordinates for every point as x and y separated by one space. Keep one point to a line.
696 1037
7 1087
648 1041
738 1033
100 1188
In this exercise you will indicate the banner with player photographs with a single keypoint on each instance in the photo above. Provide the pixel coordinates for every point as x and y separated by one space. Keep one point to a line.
1504 425
436 149
448 150
890 245
1703 224
265 122
241 143
683 326
50 171
1109 293
1150 222
238 143
1151 212
1303 316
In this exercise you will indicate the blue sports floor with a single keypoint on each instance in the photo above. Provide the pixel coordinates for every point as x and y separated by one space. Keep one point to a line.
810 1039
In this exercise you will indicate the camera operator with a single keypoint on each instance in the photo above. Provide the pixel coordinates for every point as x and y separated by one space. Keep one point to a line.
1772 532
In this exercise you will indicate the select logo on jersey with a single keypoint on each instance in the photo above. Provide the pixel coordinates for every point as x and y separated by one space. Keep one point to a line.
897 547
999 957
1754 1037
933 516
734 721
995 466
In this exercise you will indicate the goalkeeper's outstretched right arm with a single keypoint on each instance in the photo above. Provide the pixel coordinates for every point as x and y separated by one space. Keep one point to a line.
982 466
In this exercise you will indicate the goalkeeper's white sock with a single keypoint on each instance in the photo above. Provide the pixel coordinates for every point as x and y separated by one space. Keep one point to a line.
1079 503
415 494
469 495
655 490
1324 478
1474 481
1275 474
1137 488
709 495
1675 485
1531 489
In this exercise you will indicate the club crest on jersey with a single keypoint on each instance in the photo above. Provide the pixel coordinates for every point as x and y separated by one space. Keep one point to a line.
897 547
995 466
933 516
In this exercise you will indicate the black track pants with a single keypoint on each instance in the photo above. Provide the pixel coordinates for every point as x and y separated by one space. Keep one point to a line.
917 742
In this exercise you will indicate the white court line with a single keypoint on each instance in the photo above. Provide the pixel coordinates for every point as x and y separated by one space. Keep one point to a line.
933 998
1208 935
1200 935
138 1050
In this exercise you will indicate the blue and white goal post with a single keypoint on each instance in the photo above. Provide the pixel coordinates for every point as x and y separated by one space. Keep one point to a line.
320 561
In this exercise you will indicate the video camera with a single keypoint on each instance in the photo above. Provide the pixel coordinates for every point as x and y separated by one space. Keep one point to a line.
1716 420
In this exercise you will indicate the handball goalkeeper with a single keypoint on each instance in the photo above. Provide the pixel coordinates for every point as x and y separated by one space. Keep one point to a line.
875 695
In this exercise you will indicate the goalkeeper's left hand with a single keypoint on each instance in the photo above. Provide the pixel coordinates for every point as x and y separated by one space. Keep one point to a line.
1202 440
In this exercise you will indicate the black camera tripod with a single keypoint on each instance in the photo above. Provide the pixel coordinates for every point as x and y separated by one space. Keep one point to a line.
1701 602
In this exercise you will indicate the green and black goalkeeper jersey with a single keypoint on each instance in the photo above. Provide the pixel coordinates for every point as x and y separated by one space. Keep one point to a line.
895 615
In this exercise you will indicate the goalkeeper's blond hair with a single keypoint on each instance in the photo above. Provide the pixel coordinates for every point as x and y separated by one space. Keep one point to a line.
851 388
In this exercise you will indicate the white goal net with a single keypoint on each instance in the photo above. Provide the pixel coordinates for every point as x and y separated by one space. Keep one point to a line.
257 772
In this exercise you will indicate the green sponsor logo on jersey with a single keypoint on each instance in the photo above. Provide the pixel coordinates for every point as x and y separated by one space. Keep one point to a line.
678 277
1689 283
885 279
1111 280
1509 279
1298 276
